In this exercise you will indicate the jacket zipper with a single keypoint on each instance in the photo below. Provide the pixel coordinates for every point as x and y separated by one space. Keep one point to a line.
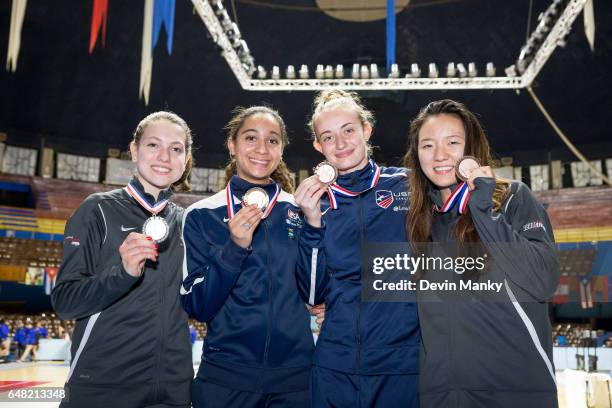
162 333
361 241
267 346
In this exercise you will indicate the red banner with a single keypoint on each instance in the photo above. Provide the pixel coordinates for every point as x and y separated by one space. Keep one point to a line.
98 18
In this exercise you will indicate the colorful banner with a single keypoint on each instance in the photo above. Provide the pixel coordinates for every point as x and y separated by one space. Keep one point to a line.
589 23
163 14
49 279
156 14
390 34
35 276
98 20
146 56
17 15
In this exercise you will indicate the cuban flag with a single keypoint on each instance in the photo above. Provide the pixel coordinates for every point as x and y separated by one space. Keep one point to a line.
49 279
384 198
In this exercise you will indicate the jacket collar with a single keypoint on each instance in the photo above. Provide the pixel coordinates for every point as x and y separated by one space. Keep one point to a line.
358 180
163 194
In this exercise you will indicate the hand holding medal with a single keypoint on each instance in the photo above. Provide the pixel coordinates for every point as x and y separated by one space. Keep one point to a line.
309 192
468 169
243 224
134 252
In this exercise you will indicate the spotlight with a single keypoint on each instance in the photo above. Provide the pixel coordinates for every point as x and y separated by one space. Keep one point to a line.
450 70
304 71
339 71
290 72
319 71
490 69
415 71
374 71
225 20
433 70
217 6
243 49
261 72
472 70
329 72
275 72
461 70
355 71
511 71
233 32
394 71
364 72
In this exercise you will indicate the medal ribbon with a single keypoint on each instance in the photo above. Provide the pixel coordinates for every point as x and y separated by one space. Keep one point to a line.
231 211
459 198
336 189
136 195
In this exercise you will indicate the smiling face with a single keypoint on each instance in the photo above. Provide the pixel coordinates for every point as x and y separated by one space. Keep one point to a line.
342 138
257 148
441 144
160 156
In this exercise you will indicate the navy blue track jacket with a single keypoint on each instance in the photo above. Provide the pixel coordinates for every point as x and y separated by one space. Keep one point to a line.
359 338
258 336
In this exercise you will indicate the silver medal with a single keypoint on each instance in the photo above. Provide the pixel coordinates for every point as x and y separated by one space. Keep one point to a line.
157 228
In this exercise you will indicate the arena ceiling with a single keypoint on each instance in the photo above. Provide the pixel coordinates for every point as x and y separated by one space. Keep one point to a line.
82 103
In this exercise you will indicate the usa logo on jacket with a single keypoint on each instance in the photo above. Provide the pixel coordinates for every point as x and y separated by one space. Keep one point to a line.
384 198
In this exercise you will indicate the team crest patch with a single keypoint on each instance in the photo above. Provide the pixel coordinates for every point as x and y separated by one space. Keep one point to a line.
384 198
294 219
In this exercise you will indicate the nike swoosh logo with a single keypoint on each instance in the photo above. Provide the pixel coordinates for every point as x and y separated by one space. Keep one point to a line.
225 219
127 229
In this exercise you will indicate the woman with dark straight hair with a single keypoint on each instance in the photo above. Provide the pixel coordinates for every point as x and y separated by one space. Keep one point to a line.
480 347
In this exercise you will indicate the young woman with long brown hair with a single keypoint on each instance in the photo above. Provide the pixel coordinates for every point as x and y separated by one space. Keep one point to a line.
239 279
119 280
480 350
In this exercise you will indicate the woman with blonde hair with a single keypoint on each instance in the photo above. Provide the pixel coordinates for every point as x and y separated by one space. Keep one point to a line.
367 352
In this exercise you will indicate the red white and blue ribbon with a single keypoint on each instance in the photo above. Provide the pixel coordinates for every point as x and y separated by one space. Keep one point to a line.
458 198
335 189
136 195
231 211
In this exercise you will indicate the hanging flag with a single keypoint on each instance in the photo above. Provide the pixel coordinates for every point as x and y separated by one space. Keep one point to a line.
34 276
562 293
156 14
146 59
390 34
589 23
163 14
586 294
98 20
49 279
17 15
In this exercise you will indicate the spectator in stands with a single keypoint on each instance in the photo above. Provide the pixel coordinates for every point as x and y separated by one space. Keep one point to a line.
193 333
239 276
131 340
5 341
42 329
19 339
31 342
490 348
